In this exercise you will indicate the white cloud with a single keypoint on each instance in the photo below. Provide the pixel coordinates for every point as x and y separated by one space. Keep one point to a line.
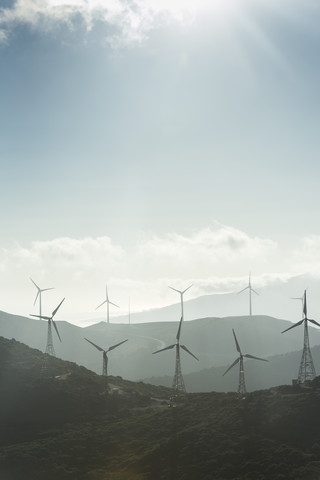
214 260
131 19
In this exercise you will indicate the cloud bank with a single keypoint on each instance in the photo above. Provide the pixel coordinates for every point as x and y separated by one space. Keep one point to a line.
214 260
128 20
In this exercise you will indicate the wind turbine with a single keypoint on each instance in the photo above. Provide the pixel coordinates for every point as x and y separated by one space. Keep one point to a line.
104 355
181 297
306 369
249 287
178 382
242 384
49 347
39 295
107 301
301 300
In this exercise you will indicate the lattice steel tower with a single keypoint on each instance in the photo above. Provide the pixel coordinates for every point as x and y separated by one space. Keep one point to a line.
49 347
306 369
178 382
242 384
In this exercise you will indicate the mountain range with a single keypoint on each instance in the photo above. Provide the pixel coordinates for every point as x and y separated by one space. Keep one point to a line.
210 339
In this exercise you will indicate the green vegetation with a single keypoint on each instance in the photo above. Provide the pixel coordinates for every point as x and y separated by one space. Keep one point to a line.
73 424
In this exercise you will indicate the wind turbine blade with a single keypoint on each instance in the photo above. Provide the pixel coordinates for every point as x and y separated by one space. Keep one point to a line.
117 345
305 303
187 288
179 330
254 291
40 316
232 365
56 329
104 301
38 293
56 309
255 358
295 325
110 303
313 321
187 350
175 289
45 289
97 346
245 288
237 344
163 349
34 283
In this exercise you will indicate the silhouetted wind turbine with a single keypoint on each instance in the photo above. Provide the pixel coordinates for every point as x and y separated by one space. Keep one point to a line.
306 369
249 287
181 297
49 347
104 355
178 382
301 300
242 384
107 301
39 295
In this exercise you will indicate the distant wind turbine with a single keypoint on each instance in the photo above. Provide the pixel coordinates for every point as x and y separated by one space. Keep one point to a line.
178 382
39 295
104 354
49 347
249 287
242 384
181 297
306 369
107 301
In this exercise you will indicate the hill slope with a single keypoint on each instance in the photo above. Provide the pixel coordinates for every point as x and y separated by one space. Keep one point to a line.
82 433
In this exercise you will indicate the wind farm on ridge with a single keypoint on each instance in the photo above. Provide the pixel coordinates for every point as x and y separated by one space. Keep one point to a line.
307 370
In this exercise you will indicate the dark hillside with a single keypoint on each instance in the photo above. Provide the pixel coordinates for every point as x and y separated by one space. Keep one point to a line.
70 428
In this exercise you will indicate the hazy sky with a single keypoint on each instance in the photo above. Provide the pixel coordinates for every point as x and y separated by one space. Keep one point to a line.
146 143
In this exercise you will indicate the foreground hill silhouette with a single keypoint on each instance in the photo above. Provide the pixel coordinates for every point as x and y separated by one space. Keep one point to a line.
68 427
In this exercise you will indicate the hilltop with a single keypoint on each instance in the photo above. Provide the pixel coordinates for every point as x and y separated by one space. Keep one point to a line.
68 427
210 339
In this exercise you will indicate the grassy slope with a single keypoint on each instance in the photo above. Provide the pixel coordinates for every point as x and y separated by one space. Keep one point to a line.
71 429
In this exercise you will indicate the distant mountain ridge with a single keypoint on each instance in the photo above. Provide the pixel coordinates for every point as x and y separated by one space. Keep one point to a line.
210 339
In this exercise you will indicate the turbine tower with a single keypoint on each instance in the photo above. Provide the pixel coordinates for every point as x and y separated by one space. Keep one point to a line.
181 297
306 369
249 287
49 347
178 382
104 355
242 384
39 295
107 301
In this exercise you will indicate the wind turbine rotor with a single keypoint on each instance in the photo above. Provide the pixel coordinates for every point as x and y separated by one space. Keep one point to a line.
305 303
247 355
237 344
188 351
166 348
117 345
104 301
179 330
295 325
232 365
56 309
56 329
97 346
